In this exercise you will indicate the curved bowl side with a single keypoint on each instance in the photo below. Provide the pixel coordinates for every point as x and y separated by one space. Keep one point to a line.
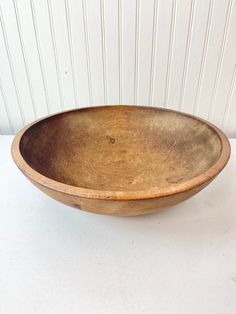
118 207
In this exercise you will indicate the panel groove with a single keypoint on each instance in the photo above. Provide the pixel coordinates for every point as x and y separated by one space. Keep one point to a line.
136 58
186 57
153 54
87 52
72 63
40 55
52 32
6 107
219 66
11 67
104 59
169 62
25 58
203 60
229 99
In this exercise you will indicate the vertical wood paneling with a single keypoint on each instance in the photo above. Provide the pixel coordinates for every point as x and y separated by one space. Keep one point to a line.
186 54
221 56
213 56
228 123
31 100
120 46
230 108
28 41
153 53
146 15
71 50
136 56
86 38
104 52
40 55
197 52
128 50
60 29
62 54
162 48
93 17
6 126
225 69
170 48
79 53
179 52
9 82
110 30
55 54
44 42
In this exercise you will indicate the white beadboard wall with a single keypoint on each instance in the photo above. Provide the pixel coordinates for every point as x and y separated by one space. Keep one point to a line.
61 54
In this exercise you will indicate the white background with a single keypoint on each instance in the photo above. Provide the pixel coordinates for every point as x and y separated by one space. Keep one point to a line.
61 54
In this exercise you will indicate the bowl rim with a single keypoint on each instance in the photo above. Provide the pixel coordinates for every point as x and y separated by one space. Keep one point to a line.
156 192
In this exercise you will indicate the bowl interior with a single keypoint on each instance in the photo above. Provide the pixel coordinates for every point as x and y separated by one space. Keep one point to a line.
120 148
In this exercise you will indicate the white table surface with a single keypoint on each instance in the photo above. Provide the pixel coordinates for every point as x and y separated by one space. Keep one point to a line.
56 259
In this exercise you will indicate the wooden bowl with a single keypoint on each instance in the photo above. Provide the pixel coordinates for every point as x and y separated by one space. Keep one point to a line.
121 160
